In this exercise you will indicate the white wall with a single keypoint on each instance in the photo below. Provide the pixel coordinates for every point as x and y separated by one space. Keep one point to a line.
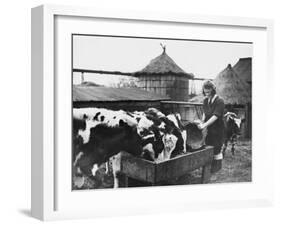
15 111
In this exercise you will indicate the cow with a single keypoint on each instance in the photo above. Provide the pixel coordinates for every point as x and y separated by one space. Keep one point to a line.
232 130
100 134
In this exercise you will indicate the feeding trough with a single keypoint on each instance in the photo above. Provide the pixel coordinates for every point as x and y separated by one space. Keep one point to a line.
156 173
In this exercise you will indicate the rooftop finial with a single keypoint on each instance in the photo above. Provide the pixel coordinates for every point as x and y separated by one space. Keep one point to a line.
164 47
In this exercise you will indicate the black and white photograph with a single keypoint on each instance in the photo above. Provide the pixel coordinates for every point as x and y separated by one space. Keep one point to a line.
153 111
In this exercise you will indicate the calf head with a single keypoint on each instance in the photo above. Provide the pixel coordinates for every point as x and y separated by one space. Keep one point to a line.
169 141
166 139
173 125
233 123
152 144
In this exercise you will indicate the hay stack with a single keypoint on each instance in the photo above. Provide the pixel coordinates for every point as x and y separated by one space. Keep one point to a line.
231 88
244 69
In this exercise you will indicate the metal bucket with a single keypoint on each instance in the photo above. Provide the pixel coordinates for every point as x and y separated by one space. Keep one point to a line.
195 136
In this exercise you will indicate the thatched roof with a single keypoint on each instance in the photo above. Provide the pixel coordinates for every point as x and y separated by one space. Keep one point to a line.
163 65
230 87
244 69
99 94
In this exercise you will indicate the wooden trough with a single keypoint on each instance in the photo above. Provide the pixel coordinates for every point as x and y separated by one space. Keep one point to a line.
157 173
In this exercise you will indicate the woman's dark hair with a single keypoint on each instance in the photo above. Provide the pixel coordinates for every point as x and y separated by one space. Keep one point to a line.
209 85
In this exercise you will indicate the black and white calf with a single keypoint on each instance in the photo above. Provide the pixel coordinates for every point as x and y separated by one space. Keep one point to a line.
99 134
165 138
232 130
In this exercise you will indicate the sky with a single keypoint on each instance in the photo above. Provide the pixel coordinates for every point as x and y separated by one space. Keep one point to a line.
204 59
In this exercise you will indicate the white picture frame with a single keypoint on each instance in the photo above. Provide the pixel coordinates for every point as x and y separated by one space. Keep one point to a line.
52 199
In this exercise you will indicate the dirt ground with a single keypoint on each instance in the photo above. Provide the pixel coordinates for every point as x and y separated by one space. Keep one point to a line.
235 168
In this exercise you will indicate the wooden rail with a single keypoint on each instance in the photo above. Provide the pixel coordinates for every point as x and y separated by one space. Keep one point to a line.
101 72
181 102
116 73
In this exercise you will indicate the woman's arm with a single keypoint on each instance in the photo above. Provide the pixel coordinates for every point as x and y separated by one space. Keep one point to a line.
209 122
203 117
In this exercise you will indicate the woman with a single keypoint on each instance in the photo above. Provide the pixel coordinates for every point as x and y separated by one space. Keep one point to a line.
212 120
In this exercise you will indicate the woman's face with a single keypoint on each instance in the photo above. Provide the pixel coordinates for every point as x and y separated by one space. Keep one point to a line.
208 92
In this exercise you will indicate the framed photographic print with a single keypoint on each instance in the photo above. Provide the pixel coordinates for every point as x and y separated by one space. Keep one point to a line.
135 112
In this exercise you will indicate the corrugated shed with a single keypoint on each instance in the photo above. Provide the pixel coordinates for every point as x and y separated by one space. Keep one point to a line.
90 93
88 84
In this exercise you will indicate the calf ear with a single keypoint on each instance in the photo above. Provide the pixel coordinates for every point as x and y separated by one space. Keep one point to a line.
78 124
121 123
125 125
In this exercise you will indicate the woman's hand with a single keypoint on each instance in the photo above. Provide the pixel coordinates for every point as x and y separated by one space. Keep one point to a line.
201 126
208 123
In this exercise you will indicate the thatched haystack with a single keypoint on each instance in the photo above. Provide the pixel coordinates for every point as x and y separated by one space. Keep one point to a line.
244 69
231 88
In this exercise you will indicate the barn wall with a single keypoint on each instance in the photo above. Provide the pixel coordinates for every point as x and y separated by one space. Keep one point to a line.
175 87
